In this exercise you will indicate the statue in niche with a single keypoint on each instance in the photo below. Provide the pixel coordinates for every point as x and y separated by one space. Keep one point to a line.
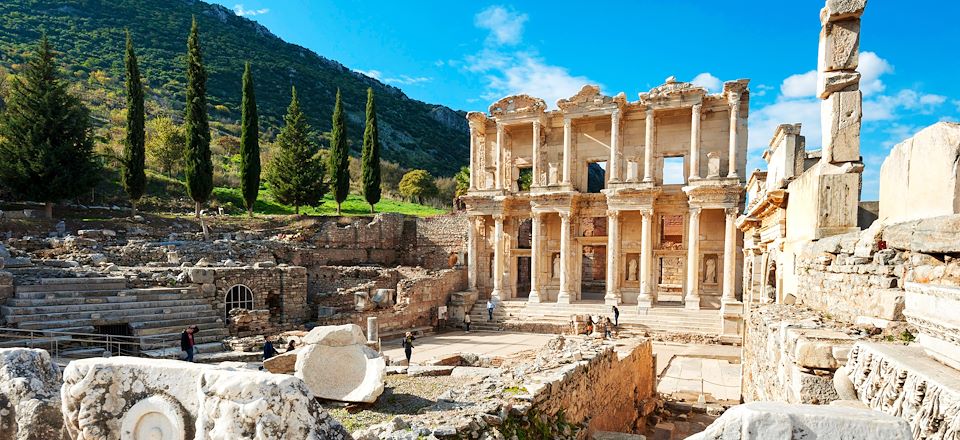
710 271
713 165
556 265
632 270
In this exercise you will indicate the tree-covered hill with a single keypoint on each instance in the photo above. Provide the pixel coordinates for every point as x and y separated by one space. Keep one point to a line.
90 36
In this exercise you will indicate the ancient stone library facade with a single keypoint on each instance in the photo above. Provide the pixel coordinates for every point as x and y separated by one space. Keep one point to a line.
609 200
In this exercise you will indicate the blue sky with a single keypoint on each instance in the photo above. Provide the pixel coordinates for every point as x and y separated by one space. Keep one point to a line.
467 54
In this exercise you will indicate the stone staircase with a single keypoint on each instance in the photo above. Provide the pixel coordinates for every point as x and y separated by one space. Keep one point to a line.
660 319
57 307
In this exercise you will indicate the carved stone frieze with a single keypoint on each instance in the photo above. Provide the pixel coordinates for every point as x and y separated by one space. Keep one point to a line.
589 98
517 105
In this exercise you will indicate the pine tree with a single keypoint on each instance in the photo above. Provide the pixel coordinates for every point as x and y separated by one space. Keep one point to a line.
197 164
370 157
249 143
339 156
296 173
46 140
133 177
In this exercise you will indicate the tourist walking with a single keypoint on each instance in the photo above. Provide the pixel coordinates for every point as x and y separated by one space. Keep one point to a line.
408 346
187 341
607 328
466 322
616 316
490 309
268 350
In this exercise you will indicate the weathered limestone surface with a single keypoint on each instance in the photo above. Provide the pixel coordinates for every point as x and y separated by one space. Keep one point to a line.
903 382
790 356
29 395
840 114
921 175
777 420
282 364
138 398
336 364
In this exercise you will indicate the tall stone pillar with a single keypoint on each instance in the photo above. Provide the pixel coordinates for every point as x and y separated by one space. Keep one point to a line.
614 163
695 142
497 293
734 134
648 293
474 169
648 148
535 257
731 310
730 256
692 297
535 180
564 296
838 82
613 295
567 140
498 179
474 225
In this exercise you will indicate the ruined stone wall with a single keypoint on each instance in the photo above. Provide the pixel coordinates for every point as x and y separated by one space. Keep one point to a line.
609 392
789 355
417 300
437 238
332 286
283 290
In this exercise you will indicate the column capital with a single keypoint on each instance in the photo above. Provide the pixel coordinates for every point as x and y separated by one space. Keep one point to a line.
697 107
499 217
733 99
650 110
536 215
646 212
613 214
732 212
564 215
695 210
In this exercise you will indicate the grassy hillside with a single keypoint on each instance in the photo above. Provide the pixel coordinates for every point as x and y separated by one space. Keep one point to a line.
90 36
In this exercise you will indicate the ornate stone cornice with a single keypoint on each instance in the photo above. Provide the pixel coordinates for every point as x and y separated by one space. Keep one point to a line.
714 196
518 105
589 98
672 87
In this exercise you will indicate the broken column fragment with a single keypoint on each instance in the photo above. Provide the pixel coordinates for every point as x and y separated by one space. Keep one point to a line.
838 81
336 364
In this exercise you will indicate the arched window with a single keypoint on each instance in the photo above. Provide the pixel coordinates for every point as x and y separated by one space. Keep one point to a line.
239 296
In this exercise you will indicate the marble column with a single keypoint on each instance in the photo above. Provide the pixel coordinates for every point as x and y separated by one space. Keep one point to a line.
734 134
613 295
648 292
535 257
614 163
695 142
729 256
497 293
498 179
692 297
563 297
473 158
648 148
535 179
474 224
567 140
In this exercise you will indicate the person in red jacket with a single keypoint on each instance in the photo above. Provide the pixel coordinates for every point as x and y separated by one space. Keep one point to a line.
187 341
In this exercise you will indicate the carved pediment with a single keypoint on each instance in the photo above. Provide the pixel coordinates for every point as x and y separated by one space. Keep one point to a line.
477 119
672 87
517 104
590 98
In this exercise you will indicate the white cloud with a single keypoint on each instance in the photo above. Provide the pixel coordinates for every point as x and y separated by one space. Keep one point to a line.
241 11
375 74
505 26
708 81
871 68
765 120
885 107
512 71
407 80
529 74
801 85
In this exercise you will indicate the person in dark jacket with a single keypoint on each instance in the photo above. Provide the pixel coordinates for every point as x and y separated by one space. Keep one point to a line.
408 346
292 345
187 342
268 350
616 316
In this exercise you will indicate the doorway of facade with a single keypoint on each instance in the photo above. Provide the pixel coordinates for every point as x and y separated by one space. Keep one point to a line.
523 277
593 277
670 280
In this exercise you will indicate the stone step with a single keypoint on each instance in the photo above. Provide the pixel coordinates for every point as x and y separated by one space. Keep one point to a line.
104 312
87 281
40 325
173 340
89 293
100 299
85 284
177 326
175 353
47 311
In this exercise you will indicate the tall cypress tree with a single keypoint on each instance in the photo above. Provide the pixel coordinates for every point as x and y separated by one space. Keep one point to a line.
296 173
134 178
370 157
339 156
197 164
249 143
46 139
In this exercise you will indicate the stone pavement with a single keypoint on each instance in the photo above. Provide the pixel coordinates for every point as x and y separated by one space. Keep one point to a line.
680 368
478 342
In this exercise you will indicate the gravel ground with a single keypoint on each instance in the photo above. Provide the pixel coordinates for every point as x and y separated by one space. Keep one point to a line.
402 395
